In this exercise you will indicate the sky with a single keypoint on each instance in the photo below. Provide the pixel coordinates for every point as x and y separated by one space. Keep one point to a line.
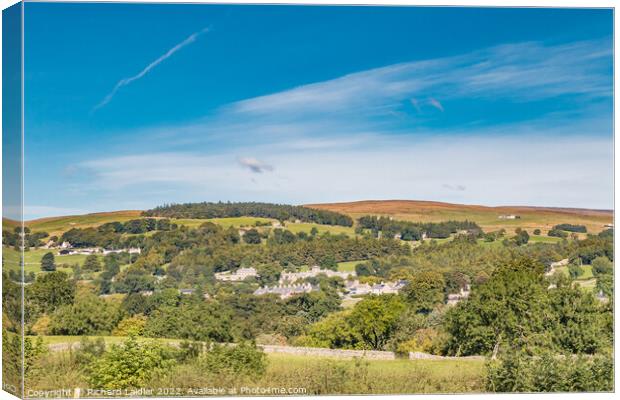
134 106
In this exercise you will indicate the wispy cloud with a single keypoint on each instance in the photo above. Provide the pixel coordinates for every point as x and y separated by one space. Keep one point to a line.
521 71
435 103
254 165
126 81
344 133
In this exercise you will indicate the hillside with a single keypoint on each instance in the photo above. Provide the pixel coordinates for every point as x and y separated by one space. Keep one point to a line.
58 225
487 217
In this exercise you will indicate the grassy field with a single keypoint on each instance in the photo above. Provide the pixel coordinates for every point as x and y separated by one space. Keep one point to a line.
348 266
587 272
224 222
376 376
486 217
32 259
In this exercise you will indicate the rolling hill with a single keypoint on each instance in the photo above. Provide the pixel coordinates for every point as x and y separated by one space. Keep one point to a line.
487 217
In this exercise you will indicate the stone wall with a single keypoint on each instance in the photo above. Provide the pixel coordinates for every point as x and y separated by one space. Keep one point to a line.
321 352
426 356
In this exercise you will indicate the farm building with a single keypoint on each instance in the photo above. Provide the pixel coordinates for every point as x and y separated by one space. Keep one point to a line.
509 216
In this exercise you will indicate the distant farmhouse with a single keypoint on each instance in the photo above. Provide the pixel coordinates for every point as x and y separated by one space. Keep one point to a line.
455 298
286 291
292 277
240 275
509 216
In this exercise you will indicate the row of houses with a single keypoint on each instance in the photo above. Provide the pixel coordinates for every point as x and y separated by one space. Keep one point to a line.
355 288
97 250
292 277
286 291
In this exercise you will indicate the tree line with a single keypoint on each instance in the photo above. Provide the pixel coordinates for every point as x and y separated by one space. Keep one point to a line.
281 212
415 230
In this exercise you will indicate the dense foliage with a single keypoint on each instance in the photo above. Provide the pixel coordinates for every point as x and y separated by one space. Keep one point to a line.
265 210
571 228
415 230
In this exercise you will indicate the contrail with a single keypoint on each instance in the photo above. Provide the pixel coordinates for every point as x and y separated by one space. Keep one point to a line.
126 81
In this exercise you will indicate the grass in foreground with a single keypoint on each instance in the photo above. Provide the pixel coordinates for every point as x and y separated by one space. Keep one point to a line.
314 375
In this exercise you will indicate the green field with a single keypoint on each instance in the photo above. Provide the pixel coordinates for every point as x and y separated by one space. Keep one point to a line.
587 272
238 222
32 259
307 227
348 266
235 222
544 239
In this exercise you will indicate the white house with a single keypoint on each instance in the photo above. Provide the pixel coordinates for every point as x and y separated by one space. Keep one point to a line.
509 216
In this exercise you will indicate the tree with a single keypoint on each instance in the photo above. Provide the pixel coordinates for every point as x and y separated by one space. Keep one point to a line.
424 291
602 266
89 315
575 270
47 262
269 274
92 263
510 309
375 319
522 237
252 237
50 291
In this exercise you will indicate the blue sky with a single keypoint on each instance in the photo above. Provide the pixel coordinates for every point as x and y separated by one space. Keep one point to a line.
131 106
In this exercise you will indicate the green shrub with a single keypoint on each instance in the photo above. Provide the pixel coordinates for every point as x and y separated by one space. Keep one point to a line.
130 364
550 373
242 360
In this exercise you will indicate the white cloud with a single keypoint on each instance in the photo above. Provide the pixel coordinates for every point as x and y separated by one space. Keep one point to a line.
571 171
334 140
254 165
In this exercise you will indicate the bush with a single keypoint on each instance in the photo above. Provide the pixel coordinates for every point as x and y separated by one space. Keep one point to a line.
130 365
241 360
557 233
132 326
536 232
89 350
571 228
550 373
